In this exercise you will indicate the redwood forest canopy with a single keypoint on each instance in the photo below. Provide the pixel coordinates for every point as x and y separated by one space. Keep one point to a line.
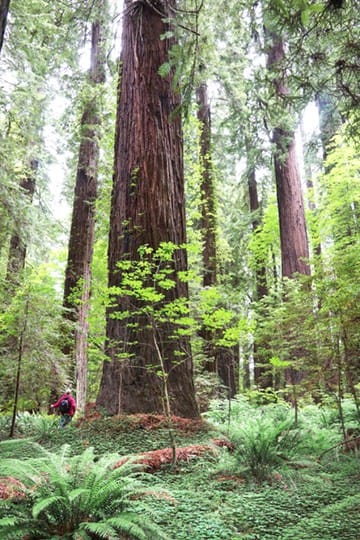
179 202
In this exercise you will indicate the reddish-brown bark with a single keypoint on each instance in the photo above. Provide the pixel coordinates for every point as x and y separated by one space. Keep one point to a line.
147 208
293 232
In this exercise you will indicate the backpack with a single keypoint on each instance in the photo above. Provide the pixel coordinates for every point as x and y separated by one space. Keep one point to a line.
64 406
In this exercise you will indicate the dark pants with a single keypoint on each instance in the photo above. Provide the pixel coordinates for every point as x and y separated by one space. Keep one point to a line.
65 419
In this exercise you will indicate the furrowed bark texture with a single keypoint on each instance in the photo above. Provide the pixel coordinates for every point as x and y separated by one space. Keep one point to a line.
293 233
147 209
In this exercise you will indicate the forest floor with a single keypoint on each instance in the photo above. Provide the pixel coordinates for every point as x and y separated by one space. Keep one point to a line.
320 501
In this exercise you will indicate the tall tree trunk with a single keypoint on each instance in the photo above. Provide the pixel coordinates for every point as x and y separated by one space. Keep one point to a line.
147 209
207 190
17 249
78 271
218 359
262 373
260 275
4 9
293 233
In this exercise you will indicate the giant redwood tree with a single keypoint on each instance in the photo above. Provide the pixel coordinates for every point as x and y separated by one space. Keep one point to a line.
147 209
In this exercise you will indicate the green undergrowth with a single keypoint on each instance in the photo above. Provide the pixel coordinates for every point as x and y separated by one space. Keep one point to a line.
208 506
222 497
107 434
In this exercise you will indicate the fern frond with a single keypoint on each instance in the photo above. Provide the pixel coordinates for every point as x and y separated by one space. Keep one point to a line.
69 492
102 529
78 493
46 504
8 521
138 526
21 470
107 493
126 522
17 528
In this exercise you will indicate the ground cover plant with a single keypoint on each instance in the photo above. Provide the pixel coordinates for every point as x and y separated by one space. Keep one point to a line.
269 479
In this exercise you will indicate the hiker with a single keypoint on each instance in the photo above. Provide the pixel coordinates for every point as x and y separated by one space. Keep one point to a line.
66 405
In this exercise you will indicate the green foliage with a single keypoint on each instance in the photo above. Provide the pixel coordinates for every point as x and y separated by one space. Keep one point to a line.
83 496
145 283
32 323
219 410
261 446
226 325
208 498
40 427
266 440
326 525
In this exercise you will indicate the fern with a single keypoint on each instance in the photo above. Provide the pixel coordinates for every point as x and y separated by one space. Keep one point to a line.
75 497
261 445
102 530
44 505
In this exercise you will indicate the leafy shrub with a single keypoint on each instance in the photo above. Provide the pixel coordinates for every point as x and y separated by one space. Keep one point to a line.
79 497
208 387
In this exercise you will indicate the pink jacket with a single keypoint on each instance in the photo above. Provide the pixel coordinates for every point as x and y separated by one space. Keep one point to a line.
71 401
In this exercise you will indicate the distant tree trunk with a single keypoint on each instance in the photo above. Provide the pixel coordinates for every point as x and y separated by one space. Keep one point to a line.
329 122
17 249
260 275
207 190
20 350
217 358
147 208
293 233
80 251
262 373
4 9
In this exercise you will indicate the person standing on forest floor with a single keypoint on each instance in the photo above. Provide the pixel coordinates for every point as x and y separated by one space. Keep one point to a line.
66 405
